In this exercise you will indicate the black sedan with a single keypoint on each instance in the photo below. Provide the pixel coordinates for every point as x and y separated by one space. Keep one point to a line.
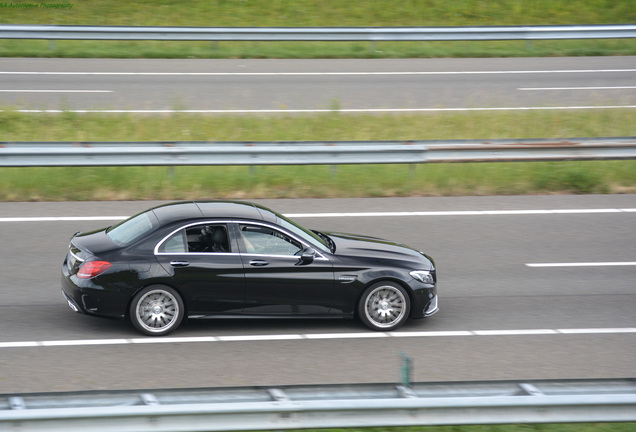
230 259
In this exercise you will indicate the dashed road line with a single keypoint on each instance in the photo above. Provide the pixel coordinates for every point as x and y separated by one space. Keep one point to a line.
55 91
583 264
576 88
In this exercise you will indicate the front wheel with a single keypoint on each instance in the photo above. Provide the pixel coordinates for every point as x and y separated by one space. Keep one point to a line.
384 306
156 310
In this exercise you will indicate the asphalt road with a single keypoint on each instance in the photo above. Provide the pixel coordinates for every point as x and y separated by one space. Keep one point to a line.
265 86
499 318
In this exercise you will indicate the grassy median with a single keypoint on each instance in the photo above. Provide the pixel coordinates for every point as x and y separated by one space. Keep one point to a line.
188 182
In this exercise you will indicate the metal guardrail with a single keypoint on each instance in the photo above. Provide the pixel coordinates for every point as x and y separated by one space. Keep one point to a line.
60 32
31 154
324 406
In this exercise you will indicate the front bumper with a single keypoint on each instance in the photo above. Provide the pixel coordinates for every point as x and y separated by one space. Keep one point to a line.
431 308
424 300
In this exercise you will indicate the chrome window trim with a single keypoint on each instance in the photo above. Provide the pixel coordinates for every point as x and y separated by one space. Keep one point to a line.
319 254
294 257
315 237
199 253
163 240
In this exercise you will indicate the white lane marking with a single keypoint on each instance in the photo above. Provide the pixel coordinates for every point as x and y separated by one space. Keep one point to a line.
346 336
597 331
56 91
173 340
84 342
358 214
583 264
311 111
20 344
515 332
255 338
188 74
323 336
459 213
576 88
434 334
62 218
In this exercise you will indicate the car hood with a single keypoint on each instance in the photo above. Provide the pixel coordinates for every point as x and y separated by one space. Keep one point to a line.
373 247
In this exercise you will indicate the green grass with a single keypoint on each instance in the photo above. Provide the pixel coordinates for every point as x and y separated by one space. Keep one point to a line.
308 13
298 50
583 427
321 13
240 182
329 126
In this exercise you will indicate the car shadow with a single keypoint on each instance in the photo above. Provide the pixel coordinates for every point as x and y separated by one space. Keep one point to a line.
233 326
107 328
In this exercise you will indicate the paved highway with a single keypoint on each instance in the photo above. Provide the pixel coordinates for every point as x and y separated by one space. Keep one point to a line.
502 316
275 86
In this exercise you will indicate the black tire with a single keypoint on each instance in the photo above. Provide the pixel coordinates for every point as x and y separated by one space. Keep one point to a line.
384 306
156 310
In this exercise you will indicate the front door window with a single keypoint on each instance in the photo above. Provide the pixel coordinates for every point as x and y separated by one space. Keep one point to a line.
267 241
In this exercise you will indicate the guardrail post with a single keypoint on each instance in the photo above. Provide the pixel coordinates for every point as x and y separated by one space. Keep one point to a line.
406 370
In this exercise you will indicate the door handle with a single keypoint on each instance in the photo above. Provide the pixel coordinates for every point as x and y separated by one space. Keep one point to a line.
259 263
179 263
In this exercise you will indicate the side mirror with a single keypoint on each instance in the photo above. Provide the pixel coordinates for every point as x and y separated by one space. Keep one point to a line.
307 256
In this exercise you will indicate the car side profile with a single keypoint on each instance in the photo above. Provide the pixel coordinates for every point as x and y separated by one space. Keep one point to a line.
215 259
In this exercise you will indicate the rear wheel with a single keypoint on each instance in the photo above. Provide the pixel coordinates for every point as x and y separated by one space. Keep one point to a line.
384 306
156 310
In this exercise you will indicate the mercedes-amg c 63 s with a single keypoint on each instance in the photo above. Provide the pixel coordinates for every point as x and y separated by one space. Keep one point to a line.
230 259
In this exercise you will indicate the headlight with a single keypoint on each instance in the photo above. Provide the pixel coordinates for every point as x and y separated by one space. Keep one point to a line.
423 276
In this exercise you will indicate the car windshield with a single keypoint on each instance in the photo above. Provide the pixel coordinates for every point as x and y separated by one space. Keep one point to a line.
304 233
126 232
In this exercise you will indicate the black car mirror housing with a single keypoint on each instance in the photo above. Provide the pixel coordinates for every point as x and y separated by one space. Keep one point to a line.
307 256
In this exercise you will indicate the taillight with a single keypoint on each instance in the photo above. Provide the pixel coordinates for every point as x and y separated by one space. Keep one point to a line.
92 268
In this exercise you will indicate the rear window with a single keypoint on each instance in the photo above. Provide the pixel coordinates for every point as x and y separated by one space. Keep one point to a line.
132 229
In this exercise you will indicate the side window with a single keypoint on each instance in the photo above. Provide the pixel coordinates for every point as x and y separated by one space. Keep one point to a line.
267 241
198 238
175 244
208 238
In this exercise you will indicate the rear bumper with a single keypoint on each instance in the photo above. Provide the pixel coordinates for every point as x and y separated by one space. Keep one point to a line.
71 292
72 303
86 297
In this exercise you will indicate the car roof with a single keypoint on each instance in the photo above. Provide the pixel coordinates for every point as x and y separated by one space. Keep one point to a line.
173 212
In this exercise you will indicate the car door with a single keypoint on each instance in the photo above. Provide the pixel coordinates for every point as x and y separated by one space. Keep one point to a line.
206 267
277 280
